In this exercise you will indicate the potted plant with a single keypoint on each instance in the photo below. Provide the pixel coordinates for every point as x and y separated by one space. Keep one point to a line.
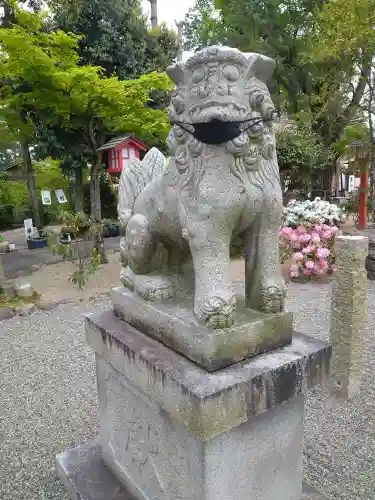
76 226
111 228
307 237
38 240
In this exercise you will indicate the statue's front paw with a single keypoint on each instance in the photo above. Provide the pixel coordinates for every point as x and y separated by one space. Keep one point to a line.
127 277
154 288
216 311
272 298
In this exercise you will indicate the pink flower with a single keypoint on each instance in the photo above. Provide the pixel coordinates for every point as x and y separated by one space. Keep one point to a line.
286 231
334 229
296 245
293 236
318 228
309 264
323 263
304 238
315 238
327 235
301 229
318 270
323 253
297 256
326 227
308 249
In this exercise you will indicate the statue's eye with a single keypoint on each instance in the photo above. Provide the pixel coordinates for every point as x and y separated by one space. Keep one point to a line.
198 75
231 73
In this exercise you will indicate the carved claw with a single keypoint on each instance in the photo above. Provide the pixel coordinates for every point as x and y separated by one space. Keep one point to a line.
216 312
272 299
127 277
154 288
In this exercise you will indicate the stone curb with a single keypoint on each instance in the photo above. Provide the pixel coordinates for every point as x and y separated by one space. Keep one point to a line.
28 309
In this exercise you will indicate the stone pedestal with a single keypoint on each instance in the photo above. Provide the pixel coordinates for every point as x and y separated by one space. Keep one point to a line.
170 430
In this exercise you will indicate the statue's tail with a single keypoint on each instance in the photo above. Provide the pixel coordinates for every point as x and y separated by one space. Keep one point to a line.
134 178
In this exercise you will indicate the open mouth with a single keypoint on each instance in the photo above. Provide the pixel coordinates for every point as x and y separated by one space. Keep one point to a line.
220 109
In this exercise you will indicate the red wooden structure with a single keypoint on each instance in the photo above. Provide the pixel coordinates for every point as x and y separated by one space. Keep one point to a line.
121 150
362 159
363 194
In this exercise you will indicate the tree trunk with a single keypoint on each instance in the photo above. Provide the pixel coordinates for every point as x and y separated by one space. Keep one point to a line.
154 13
8 17
78 194
338 178
99 246
96 210
31 185
180 27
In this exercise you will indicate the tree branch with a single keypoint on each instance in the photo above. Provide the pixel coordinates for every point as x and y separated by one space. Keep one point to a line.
359 90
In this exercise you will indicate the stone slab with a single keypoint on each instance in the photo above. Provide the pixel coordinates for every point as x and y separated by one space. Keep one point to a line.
86 477
208 404
174 324
310 493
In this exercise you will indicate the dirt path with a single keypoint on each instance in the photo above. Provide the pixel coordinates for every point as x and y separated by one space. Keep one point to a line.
52 281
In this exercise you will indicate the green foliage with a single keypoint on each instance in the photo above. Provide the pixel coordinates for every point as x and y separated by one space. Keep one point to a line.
115 36
112 32
85 249
203 26
356 133
14 202
311 75
345 32
44 88
85 258
299 153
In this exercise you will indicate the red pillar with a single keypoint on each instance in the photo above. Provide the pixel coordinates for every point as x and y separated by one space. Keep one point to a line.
363 196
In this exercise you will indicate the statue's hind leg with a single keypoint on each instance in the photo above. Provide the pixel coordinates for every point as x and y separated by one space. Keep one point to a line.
265 287
138 257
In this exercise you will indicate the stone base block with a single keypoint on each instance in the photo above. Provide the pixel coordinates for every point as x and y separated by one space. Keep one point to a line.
174 324
86 477
170 430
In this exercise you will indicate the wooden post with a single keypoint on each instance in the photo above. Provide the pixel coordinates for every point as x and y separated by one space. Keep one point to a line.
363 196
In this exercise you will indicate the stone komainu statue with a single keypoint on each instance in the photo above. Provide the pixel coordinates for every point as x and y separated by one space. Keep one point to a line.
222 181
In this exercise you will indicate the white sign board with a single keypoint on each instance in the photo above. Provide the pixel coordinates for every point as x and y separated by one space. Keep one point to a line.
28 225
351 184
61 198
46 197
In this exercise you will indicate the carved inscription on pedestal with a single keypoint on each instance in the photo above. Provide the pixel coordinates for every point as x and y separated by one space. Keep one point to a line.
143 445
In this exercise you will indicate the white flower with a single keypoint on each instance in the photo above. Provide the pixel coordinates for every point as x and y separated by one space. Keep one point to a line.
305 212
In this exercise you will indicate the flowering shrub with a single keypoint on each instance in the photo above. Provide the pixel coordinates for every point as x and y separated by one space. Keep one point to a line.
310 247
306 213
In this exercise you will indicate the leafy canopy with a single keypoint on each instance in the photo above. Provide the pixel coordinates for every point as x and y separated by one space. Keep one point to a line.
114 36
42 81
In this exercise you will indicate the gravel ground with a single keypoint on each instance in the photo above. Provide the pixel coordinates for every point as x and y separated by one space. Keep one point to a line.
48 403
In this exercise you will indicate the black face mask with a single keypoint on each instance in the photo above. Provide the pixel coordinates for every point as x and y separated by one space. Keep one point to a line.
216 131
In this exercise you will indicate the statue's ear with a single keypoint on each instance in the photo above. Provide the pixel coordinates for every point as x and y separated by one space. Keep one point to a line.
176 72
261 67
